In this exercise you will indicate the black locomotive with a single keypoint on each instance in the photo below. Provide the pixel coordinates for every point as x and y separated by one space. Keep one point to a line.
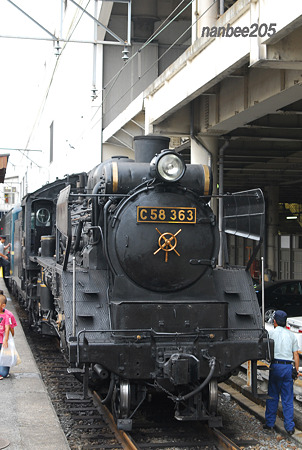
120 263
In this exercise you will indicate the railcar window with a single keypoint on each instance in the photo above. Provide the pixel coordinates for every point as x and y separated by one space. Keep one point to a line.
281 290
289 289
295 289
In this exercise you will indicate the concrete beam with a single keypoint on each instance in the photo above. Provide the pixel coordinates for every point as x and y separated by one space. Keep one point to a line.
208 67
259 109
209 61
135 108
177 124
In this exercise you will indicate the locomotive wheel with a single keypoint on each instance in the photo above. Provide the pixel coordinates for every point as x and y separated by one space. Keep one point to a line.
212 400
121 400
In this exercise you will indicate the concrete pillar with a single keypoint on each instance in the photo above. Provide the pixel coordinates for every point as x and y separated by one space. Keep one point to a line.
144 15
148 122
207 12
232 249
199 154
194 35
207 147
272 218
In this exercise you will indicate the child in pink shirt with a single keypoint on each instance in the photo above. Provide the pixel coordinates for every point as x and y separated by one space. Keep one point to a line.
11 317
4 332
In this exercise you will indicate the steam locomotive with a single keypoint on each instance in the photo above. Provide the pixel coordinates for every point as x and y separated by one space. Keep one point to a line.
121 264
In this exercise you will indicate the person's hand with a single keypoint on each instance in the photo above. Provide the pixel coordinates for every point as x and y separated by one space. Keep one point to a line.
5 344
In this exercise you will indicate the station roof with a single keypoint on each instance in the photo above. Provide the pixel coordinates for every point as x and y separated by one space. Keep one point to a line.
240 92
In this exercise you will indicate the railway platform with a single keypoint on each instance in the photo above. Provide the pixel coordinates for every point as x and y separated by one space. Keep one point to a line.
28 419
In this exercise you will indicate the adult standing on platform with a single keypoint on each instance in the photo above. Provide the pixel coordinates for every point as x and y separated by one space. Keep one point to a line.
4 262
281 374
4 332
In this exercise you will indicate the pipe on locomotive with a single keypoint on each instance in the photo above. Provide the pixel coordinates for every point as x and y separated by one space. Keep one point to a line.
78 236
212 364
96 204
220 200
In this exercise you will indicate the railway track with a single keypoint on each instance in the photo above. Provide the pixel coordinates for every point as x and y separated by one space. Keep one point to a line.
150 435
202 439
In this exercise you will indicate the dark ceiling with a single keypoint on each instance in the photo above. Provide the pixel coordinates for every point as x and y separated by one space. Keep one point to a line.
267 151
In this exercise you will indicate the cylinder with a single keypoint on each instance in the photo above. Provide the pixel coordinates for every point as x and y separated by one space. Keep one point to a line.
48 245
102 373
146 147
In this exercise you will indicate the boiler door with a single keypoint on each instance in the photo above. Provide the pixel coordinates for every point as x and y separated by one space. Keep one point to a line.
164 241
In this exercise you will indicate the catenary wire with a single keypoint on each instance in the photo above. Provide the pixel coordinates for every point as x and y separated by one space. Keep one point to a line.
154 35
115 77
150 39
41 109
147 70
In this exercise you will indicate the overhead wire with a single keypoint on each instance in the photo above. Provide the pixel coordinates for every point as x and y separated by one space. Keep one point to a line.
41 109
114 79
149 40
152 65
162 27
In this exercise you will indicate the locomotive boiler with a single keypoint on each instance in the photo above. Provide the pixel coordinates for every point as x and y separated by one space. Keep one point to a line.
126 274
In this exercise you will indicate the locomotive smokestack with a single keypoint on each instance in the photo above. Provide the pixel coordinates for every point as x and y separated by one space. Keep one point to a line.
146 147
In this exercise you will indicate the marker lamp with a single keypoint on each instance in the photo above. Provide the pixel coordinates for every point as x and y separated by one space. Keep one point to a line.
168 166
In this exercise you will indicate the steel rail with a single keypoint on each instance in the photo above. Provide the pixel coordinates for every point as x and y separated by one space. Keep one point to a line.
122 437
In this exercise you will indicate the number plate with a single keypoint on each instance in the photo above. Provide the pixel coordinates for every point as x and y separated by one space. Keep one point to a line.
151 214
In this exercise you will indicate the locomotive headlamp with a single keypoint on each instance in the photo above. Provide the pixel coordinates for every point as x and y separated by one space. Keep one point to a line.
168 166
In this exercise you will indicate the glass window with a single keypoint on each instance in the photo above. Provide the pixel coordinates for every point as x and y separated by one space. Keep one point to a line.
289 289
280 290
295 288
32 221
285 242
9 195
43 217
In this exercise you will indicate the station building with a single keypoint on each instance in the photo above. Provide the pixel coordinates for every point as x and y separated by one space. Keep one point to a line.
221 78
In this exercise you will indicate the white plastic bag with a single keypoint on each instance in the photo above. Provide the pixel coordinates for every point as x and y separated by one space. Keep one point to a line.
9 356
